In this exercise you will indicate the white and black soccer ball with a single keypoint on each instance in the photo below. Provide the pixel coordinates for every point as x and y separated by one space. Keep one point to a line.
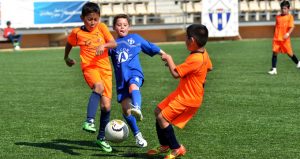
116 131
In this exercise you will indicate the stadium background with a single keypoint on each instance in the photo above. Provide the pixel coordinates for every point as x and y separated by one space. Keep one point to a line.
165 19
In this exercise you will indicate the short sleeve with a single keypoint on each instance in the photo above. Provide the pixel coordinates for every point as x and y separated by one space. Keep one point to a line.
190 65
107 35
72 38
209 63
291 21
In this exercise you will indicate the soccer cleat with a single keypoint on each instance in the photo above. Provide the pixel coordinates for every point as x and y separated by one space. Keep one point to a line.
273 71
158 150
176 153
140 141
298 65
89 127
104 145
136 112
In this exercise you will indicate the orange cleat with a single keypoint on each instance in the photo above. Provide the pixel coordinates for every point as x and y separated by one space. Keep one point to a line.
158 150
176 153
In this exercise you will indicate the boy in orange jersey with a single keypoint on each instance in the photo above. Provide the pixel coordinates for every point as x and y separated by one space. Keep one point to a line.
182 104
94 40
281 41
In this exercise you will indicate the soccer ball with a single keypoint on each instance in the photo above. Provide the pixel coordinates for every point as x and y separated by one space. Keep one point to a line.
116 131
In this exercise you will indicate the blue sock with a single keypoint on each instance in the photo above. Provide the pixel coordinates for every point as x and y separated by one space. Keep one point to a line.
170 136
93 106
136 98
104 119
131 121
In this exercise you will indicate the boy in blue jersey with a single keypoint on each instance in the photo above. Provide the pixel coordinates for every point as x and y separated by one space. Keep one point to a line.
128 72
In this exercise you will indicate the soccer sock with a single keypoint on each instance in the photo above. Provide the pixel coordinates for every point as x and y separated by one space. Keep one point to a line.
93 106
104 119
274 61
131 121
136 98
170 136
161 138
295 59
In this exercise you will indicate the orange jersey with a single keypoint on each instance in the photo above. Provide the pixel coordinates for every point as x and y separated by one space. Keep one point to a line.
283 24
88 42
192 74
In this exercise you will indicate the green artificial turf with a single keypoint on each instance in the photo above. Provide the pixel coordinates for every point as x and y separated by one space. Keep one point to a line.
246 113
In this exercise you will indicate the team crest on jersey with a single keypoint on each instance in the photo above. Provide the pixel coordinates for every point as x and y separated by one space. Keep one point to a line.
219 15
123 55
131 41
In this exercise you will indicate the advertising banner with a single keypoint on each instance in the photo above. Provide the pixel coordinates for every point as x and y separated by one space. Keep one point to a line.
41 13
57 12
221 17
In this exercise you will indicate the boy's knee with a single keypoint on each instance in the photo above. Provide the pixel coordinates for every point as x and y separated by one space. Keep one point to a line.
156 111
133 87
98 88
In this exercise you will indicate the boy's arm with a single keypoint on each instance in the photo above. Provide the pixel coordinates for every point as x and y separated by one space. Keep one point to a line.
287 35
70 62
171 64
109 45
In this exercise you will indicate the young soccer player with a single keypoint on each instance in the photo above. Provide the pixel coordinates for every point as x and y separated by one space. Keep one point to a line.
94 40
128 72
281 41
182 104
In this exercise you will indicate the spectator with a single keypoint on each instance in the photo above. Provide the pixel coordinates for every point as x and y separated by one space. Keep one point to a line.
12 36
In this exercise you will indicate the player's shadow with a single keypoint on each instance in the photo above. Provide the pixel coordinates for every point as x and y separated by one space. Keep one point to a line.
66 146
70 147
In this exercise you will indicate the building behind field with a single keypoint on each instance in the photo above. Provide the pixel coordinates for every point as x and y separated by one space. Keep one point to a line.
155 20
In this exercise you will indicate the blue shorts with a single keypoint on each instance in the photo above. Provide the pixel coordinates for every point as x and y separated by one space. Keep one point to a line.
123 93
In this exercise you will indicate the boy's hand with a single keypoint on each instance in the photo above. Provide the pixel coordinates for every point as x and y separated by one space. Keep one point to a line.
164 57
286 36
99 50
70 62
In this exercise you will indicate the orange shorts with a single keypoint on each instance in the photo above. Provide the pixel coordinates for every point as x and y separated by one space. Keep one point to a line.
282 47
95 75
176 113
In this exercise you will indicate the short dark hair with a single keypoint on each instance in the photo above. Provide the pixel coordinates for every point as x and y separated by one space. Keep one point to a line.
90 7
285 4
125 16
8 23
199 32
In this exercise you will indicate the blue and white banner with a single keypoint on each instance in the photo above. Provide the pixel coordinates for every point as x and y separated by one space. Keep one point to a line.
221 17
41 13
57 12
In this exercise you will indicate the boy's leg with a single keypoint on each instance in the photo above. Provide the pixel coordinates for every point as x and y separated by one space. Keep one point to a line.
168 133
136 104
92 107
164 145
131 121
11 39
104 119
295 59
134 88
273 70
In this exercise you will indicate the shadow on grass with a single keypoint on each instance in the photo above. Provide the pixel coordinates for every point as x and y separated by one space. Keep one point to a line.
132 155
70 147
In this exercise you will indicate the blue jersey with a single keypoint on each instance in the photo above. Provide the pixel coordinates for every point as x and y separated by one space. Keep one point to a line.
125 57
